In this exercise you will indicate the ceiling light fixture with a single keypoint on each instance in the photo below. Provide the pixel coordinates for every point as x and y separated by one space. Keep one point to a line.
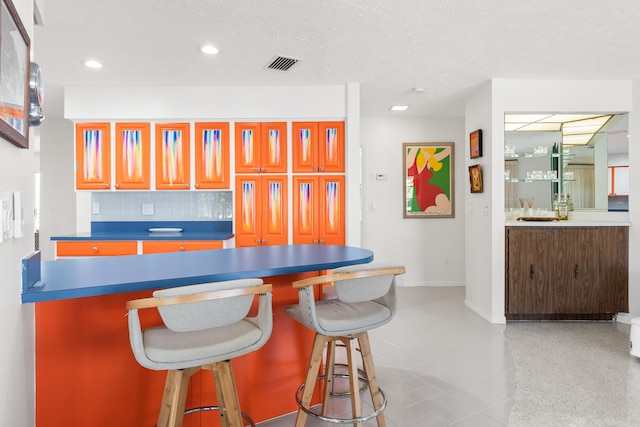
398 107
209 49
91 63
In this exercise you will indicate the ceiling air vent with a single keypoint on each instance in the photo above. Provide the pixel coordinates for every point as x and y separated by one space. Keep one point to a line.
282 63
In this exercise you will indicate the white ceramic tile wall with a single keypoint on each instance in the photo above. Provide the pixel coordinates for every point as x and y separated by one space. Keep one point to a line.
167 206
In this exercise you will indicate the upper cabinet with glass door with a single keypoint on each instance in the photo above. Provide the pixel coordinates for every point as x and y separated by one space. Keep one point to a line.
573 152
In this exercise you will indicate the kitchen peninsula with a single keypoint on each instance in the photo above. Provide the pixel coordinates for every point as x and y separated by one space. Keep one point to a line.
83 358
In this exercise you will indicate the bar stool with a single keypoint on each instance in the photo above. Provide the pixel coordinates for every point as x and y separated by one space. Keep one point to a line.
365 299
205 326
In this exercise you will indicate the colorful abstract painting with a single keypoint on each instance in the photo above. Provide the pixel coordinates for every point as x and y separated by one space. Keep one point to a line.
428 180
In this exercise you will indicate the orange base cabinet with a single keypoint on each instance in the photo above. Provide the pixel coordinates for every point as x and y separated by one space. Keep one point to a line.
96 248
86 374
156 247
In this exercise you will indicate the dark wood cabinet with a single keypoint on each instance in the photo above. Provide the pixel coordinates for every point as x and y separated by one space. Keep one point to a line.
566 272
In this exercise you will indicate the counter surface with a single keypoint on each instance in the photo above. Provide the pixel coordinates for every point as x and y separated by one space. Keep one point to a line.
568 223
93 276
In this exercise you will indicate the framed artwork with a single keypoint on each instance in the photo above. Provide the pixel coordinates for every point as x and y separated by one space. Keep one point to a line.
14 77
475 144
428 181
475 178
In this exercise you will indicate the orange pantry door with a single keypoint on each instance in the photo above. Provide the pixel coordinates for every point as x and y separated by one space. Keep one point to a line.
261 210
317 147
318 210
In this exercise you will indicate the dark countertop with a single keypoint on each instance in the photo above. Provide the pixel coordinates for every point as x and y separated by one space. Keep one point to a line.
137 230
93 276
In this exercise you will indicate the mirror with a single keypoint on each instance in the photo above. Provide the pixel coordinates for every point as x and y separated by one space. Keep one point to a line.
570 155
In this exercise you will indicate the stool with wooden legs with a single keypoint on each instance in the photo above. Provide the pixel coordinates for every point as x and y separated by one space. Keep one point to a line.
205 326
365 299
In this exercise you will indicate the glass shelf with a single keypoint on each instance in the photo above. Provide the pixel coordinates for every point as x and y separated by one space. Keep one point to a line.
554 155
538 180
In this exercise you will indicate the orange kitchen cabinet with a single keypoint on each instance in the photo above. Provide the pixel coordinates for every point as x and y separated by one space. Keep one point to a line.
317 147
96 248
261 210
318 209
156 247
93 156
261 147
172 156
132 146
212 155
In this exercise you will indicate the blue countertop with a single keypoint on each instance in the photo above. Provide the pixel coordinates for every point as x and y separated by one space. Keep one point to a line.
93 276
138 230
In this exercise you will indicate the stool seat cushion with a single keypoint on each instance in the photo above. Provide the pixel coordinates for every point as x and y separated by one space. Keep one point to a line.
339 318
176 350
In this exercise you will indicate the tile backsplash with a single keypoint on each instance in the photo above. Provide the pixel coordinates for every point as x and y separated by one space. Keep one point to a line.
162 206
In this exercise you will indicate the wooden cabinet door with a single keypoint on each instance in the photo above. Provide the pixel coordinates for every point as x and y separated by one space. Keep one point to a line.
613 268
318 210
305 209
530 287
261 210
172 156
261 147
93 156
331 208
157 246
132 156
331 146
577 287
212 155
304 146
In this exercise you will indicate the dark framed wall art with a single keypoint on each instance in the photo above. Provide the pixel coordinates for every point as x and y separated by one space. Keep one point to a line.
475 144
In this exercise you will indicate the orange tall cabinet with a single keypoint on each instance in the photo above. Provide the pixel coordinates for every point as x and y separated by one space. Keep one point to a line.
261 179
211 146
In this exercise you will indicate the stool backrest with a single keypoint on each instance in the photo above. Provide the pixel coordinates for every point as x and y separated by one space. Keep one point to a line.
370 282
206 314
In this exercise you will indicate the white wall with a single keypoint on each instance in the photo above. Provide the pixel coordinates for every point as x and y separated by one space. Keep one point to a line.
57 198
431 249
538 96
480 293
634 203
17 167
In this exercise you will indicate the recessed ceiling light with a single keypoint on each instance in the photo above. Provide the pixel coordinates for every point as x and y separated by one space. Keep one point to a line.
209 49
399 107
92 64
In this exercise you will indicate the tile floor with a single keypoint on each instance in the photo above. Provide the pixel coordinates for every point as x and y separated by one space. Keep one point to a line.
439 364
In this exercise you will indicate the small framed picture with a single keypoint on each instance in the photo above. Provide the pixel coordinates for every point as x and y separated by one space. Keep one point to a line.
475 144
475 178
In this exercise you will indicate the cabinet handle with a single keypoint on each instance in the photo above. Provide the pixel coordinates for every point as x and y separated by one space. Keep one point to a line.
197 186
320 169
181 249
257 241
576 272
257 169
106 185
186 186
263 170
532 272
94 249
315 169
264 241
321 241
117 186
315 241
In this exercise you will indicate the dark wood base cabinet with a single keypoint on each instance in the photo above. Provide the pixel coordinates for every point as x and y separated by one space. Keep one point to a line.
566 273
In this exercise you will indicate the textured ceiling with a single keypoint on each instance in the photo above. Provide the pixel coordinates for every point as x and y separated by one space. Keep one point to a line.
447 47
